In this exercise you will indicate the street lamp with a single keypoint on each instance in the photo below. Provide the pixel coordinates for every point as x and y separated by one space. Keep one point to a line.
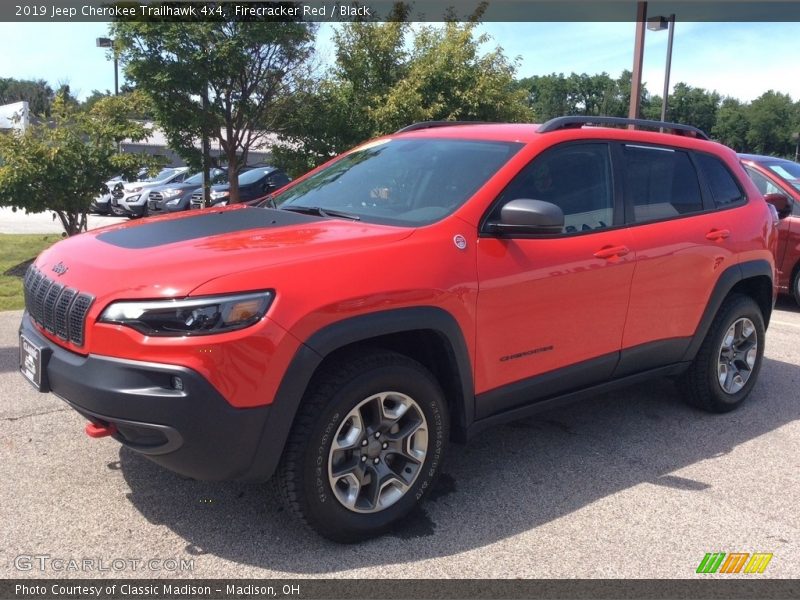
104 42
660 24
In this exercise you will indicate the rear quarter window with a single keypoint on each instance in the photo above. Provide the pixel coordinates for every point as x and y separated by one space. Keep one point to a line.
723 186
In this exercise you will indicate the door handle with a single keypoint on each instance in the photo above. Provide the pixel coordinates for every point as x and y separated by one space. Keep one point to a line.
718 234
611 251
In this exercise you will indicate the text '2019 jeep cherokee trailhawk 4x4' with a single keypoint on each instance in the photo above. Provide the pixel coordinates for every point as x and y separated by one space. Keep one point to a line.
415 290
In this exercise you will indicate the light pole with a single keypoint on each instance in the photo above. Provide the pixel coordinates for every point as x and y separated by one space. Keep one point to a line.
638 58
104 42
660 24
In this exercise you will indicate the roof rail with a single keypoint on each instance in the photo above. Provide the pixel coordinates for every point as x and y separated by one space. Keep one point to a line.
577 121
432 124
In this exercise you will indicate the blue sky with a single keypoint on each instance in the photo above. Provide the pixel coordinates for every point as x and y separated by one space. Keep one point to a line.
737 59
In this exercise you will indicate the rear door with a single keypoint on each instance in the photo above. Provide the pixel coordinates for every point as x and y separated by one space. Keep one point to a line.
551 309
683 240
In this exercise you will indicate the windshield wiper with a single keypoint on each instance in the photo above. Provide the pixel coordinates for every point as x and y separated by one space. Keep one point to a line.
322 212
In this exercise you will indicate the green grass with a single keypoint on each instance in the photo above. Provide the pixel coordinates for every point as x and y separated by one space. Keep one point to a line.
16 249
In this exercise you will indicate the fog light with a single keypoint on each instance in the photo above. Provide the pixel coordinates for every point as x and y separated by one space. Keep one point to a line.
177 383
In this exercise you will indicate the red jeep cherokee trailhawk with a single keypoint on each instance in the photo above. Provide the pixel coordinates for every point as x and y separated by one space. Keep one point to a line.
413 291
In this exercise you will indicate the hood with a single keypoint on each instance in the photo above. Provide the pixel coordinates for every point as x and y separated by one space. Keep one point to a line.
169 256
145 185
174 186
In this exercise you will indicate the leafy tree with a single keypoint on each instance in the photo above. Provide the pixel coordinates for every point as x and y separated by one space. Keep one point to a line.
248 70
772 120
63 164
693 106
36 93
381 82
732 124
556 95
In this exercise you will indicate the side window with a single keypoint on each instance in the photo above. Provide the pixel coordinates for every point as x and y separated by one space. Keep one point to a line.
724 188
660 183
576 178
764 185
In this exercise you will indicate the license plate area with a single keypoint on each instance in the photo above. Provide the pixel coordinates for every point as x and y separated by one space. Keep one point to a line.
32 362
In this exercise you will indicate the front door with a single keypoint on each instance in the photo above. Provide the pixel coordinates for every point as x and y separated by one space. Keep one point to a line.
552 309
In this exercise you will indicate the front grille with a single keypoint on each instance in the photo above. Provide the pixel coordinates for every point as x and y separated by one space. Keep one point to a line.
155 196
196 200
60 310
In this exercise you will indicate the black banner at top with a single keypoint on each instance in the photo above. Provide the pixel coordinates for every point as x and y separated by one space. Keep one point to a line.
382 10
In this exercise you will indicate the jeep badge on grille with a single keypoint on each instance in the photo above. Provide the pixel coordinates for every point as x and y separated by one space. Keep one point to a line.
60 268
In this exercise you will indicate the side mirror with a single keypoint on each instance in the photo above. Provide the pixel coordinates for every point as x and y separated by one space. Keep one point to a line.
525 216
782 203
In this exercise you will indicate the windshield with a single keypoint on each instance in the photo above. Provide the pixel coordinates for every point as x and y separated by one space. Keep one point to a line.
216 175
787 170
253 175
402 182
165 174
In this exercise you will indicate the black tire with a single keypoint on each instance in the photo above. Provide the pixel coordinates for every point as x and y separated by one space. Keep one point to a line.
341 386
700 384
796 284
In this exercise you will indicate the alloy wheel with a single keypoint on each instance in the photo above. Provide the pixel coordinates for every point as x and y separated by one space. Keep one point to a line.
737 355
378 452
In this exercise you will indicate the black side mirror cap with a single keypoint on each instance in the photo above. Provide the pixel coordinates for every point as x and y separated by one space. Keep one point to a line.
524 216
782 203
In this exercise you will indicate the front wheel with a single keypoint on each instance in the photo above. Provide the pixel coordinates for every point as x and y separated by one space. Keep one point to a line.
366 446
796 285
726 366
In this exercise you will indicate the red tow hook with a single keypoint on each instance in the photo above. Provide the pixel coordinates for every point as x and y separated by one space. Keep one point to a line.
99 431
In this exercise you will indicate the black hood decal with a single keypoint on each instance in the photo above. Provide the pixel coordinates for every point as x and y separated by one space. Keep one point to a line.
206 223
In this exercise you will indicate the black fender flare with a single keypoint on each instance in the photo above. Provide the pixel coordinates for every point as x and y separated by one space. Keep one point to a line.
338 335
726 282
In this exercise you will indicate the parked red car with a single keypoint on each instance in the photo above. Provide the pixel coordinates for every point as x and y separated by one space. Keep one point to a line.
413 291
779 176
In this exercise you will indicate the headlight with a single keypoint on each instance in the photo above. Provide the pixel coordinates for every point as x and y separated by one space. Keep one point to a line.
136 189
169 193
172 202
215 195
131 199
194 316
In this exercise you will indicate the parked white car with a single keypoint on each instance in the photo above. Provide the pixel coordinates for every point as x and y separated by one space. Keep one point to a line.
130 199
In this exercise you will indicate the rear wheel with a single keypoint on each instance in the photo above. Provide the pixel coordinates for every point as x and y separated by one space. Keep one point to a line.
726 366
796 284
366 446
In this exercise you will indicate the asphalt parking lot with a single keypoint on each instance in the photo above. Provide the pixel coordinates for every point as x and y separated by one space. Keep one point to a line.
633 484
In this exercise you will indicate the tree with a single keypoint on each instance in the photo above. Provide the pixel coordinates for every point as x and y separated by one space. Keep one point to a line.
61 165
36 93
772 120
380 82
246 70
557 95
732 124
693 106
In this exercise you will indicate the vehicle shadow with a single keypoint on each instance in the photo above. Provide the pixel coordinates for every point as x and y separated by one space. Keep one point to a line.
508 480
787 303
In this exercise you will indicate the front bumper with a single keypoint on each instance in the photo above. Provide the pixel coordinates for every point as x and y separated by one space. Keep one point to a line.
192 431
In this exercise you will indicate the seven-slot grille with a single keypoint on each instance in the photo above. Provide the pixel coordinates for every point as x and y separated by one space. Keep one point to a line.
59 309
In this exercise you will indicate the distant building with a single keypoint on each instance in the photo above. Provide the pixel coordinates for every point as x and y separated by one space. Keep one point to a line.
156 144
14 116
